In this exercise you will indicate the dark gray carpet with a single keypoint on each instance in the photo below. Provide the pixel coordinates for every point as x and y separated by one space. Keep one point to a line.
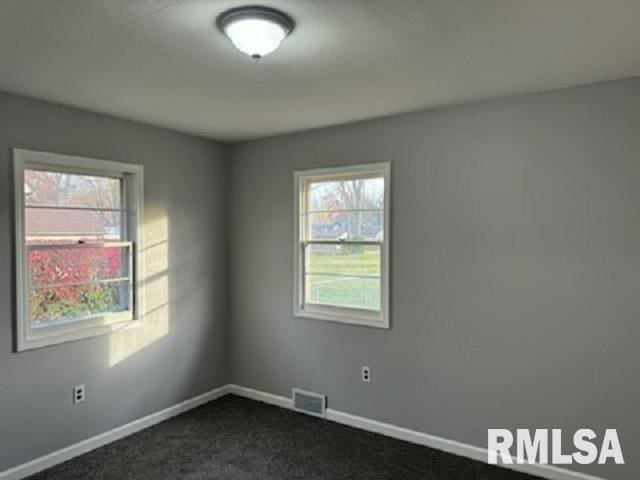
237 439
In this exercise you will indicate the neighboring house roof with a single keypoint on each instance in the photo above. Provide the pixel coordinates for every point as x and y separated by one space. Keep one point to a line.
43 221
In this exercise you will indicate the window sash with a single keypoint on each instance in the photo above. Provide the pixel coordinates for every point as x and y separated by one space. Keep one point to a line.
93 245
304 273
124 209
104 317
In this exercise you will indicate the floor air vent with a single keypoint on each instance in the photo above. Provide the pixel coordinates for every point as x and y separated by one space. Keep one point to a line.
309 402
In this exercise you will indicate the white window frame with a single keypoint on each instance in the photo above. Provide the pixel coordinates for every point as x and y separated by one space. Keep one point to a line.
356 316
133 195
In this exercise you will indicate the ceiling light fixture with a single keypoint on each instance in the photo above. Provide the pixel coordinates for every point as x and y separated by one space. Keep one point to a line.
256 31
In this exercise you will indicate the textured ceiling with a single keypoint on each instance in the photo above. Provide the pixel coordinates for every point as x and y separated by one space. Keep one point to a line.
162 62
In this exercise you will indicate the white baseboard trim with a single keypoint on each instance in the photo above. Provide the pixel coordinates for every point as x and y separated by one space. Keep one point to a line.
548 472
67 453
260 396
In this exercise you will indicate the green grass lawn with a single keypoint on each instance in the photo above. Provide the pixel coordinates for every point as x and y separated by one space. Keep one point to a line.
327 288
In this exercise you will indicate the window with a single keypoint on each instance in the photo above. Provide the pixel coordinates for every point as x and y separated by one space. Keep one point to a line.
77 245
342 244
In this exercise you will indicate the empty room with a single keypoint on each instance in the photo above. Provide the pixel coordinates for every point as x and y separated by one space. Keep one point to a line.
319 239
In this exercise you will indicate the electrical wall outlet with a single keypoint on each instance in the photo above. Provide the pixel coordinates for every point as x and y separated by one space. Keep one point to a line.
366 374
79 392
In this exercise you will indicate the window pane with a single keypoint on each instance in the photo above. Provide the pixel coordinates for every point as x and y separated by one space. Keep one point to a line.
71 264
346 194
344 259
344 291
65 189
61 304
346 226
52 225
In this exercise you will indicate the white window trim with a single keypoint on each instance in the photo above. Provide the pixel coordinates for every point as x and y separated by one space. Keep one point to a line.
354 316
26 159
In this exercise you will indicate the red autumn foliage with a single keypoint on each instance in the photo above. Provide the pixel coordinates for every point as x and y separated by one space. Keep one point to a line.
64 266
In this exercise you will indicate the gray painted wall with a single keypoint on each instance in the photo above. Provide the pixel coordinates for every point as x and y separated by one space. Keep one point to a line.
515 269
182 349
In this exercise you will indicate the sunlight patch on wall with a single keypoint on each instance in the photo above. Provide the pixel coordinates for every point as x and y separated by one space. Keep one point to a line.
155 325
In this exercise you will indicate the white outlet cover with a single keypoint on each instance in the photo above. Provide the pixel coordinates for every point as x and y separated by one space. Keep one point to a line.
79 394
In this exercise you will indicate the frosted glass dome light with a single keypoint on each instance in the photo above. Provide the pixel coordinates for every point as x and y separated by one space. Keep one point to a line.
256 31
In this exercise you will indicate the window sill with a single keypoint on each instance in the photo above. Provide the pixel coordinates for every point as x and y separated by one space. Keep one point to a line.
348 318
26 344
